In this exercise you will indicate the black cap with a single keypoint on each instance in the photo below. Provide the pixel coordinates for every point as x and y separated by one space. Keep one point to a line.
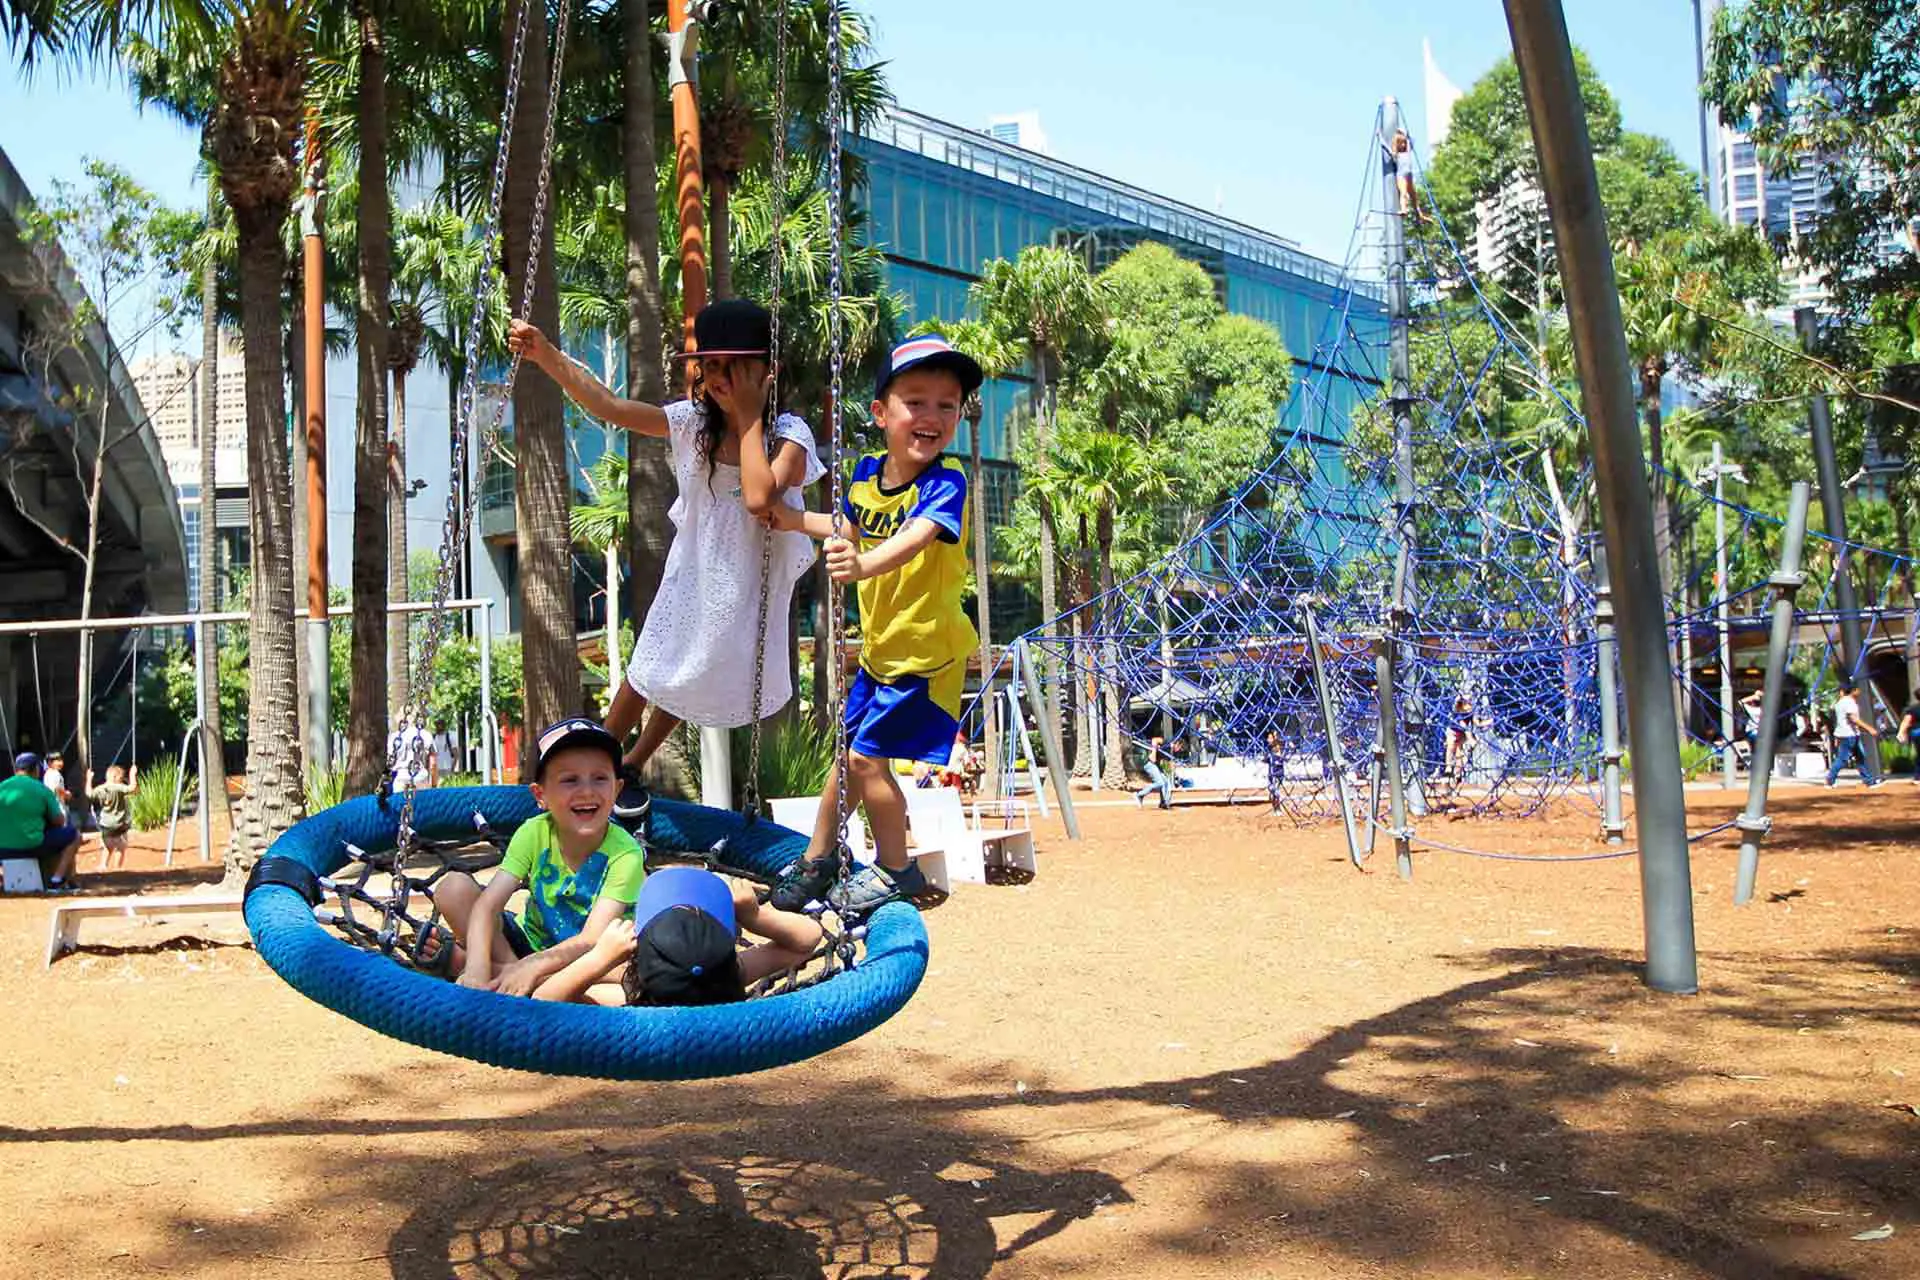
684 957
731 327
576 731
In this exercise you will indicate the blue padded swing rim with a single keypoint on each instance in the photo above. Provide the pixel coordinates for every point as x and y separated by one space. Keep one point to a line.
572 1039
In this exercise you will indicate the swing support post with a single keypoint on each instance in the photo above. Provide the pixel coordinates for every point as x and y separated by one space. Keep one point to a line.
1544 57
1049 741
1336 763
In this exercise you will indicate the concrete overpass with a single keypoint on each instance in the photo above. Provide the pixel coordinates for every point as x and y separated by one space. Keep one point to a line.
46 455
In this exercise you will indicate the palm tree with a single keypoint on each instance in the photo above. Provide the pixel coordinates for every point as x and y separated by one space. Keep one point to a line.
255 53
542 493
373 489
1047 301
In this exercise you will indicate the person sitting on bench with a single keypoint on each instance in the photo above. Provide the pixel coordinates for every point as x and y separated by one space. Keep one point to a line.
33 825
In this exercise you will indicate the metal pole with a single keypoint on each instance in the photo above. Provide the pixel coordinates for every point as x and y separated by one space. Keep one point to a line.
1545 62
1753 822
1405 496
490 761
179 790
1389 749
1019 727
1700 78
1722 620
205 737
1049 742
716 769
1833 504
314 268
1336 763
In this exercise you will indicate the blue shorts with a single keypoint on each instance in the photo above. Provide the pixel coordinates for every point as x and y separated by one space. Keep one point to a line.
55 839
898 720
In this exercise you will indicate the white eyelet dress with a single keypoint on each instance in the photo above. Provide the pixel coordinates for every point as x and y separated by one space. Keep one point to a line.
695 655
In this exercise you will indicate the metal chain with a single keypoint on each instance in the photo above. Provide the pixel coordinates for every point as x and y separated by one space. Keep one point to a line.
837 613
460 515
770 417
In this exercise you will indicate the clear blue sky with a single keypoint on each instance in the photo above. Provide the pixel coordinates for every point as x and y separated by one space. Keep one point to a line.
1258 107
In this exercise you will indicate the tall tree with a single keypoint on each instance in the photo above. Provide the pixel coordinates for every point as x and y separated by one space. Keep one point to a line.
650 484
373 490
542 491
255 53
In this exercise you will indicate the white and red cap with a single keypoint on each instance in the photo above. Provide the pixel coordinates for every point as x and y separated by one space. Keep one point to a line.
929 351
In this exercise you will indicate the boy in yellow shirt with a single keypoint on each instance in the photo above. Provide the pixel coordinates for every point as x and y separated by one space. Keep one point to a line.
901 537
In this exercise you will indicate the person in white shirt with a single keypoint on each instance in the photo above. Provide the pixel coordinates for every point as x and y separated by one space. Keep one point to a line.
413 758
1848 726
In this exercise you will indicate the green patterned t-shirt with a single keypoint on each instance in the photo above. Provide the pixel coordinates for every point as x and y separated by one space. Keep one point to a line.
558 897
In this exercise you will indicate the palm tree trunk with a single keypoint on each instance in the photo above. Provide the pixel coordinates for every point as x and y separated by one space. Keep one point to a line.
1650 375
1049 537
983 612
82 760
372 491
275 798
213 764
398 584
542 493
720 236
650 483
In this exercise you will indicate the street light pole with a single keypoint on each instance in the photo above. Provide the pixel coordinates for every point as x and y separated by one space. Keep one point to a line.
1718 470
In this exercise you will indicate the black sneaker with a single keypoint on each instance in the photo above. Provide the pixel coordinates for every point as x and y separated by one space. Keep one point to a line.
635 802
805 881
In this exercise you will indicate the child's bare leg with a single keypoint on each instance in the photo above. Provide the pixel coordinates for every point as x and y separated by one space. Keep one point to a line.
826 822
790 936
625 712
456 894
659 725
886 808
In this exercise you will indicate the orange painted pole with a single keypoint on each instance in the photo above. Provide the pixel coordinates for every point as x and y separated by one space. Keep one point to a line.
313 279
683 36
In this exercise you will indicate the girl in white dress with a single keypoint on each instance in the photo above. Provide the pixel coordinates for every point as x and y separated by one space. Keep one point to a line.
694 659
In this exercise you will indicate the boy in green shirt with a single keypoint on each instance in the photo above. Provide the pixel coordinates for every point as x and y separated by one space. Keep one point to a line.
580 871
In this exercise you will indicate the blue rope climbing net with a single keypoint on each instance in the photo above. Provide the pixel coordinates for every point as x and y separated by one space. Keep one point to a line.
1494 638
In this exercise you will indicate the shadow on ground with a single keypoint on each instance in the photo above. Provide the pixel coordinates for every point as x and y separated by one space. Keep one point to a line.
1553 1118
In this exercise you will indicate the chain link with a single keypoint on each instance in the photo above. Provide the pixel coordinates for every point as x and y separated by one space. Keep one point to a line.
460 515
836 339
770 417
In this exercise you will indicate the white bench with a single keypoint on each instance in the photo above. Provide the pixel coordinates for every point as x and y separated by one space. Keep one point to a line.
21 875
939 822
800 812
67 915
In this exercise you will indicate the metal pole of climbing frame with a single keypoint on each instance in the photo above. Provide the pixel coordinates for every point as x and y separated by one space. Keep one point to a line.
1833 504
1722 621
1049 740
1405 496
490 755
1606 650
1390 754
313 273
1545 61
1753 821
1336 763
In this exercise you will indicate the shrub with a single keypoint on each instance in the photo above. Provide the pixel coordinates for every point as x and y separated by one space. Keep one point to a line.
151 803
325 788
795 755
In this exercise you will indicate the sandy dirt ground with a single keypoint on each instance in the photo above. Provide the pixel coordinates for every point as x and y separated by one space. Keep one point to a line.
1199 1044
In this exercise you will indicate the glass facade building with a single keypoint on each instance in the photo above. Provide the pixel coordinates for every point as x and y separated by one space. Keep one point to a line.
941 200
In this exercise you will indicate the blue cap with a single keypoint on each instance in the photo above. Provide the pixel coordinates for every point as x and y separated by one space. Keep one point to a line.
695 887
575 731
26 762
929 351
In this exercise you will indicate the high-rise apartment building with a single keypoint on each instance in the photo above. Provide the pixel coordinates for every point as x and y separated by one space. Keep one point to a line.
169 387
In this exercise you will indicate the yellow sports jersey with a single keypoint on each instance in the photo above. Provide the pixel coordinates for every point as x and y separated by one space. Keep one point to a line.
911 620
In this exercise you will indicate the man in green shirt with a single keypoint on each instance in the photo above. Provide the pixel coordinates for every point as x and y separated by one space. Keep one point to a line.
32 824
